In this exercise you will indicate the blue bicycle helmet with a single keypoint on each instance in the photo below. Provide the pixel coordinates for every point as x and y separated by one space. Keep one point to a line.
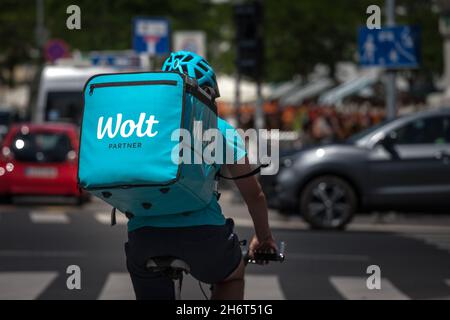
194 66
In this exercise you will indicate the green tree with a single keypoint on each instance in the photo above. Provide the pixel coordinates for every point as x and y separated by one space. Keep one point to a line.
297 34
300 34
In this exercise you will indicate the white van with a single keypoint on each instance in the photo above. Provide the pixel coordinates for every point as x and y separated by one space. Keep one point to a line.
60 95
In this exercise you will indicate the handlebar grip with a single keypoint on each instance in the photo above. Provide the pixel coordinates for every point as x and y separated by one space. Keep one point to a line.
260 256
268 257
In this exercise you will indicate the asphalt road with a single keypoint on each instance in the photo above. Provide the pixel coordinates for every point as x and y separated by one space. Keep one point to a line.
39 242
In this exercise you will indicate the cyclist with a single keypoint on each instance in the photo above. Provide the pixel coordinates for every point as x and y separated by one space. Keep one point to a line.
204 239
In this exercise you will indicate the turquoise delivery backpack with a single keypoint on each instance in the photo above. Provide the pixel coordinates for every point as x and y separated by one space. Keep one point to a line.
129 136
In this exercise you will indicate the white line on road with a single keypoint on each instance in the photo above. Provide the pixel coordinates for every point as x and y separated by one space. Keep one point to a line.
276 224
105 218
49 217
447 282
401 228
326 257
263 287
439 240
298 224
117 287
24 285
445 237
354 288
41 254
442 246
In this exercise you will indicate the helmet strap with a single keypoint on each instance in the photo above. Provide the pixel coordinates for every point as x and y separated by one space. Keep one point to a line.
209 90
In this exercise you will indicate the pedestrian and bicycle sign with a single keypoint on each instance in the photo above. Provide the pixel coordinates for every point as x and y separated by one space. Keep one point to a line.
389 47
151 35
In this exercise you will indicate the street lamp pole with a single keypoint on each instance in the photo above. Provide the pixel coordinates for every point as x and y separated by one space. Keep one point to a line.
40 29
391 90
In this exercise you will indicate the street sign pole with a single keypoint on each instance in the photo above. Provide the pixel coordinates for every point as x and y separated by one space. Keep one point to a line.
237 99
259 113
391 90
249 43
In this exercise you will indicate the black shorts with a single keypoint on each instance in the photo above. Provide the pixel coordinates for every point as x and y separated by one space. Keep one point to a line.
212 252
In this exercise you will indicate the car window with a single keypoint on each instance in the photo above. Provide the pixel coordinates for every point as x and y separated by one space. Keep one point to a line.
64 106
41 147
366 132
5 118
433 130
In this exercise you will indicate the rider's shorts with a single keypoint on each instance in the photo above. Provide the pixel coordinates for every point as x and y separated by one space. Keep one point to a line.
212 252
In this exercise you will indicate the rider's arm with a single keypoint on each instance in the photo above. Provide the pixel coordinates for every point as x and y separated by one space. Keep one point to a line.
256 203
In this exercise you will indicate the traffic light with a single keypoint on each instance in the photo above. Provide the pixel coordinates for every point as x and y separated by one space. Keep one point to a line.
249 39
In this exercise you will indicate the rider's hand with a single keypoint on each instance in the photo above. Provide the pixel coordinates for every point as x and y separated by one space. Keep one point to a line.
267 245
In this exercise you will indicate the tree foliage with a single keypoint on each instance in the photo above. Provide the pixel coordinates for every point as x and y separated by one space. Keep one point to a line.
297 34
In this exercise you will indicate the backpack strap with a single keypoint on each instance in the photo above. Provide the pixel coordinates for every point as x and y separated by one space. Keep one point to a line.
251 173
113 216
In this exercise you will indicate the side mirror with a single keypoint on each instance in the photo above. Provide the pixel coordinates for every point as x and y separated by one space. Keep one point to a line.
388 142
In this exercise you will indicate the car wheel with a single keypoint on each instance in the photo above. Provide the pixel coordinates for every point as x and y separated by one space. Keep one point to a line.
328 202
286 212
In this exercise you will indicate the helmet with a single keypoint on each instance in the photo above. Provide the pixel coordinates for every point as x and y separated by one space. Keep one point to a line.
194 66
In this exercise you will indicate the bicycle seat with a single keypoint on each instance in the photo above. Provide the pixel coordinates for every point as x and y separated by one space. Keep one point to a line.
167 264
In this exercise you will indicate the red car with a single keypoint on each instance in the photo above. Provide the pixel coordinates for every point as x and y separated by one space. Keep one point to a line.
40 159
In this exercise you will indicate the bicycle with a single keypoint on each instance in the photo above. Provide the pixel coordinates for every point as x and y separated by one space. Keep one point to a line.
174 268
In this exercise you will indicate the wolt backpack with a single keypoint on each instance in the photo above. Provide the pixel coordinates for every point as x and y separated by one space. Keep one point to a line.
129 139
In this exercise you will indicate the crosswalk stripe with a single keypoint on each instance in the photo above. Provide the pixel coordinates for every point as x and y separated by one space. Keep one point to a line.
46 217
276 224
263 287
439 240
354 288
105 218
117 287
447 297
41 253
24 285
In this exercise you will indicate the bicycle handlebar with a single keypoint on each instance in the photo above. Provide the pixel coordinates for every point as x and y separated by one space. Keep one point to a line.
260 256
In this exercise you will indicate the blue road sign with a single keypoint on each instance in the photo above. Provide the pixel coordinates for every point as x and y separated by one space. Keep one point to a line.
151 35
115 59
56 49
389 47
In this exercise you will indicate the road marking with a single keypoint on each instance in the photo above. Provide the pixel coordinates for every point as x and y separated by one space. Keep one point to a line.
402 228
117 287
105 218
298 224
263 287
326 257
438 240
447 282
24 285
354 288
432 236
41 254
443 246
49 217
274 224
